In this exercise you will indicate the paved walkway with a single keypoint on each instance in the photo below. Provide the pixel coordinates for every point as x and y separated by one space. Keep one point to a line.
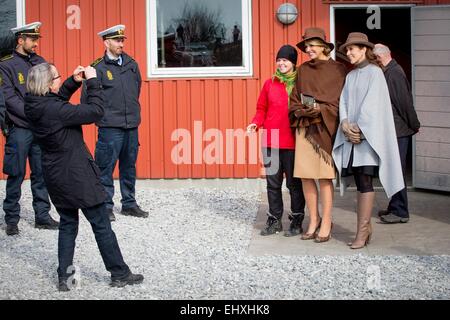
426 233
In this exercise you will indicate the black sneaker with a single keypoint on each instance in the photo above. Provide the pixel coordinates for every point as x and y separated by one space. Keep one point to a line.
131 279
62 285
111 215
392 218
135 212
12 229
48 225
273 225
295 228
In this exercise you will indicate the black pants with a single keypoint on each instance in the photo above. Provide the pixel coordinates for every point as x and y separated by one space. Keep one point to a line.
104 236
20 146
277 163
399 201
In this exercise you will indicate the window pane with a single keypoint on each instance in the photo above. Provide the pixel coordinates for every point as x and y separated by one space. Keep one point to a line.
199 33
8 14
8 21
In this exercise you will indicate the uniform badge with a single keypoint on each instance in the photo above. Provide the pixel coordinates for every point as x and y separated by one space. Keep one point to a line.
21 78
109 75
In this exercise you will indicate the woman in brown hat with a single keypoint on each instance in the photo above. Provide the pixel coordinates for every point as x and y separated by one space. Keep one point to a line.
314 113
366 143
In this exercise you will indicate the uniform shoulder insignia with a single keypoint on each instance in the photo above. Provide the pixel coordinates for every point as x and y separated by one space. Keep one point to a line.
96 62
8 57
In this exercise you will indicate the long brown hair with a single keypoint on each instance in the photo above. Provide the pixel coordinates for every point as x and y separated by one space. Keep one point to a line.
370 56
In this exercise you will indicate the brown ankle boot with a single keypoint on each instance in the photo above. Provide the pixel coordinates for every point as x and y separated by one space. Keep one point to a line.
365 205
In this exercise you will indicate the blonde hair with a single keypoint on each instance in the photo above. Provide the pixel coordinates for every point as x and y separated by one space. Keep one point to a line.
318 42
40 78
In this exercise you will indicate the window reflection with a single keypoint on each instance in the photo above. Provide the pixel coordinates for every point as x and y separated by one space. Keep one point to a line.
198 33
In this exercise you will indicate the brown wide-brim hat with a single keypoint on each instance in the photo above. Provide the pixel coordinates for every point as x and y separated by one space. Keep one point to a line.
356 38
314 33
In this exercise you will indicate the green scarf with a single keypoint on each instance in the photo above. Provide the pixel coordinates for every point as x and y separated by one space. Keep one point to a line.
287 78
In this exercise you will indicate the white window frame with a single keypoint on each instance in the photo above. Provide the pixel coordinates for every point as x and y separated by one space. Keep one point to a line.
199 72
20 12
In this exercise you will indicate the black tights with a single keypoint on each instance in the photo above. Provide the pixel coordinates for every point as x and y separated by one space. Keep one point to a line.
363 182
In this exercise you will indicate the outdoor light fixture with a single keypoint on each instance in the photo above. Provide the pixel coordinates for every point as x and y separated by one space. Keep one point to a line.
287 13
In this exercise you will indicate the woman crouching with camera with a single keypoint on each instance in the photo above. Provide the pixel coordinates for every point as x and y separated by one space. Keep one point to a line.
70 173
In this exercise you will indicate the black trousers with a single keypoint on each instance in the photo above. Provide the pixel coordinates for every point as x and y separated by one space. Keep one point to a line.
280 162
104 236
399 201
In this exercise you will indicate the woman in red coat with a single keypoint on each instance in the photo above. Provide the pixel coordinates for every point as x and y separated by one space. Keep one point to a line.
279 144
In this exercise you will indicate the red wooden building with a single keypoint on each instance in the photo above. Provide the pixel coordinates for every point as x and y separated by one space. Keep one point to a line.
171 101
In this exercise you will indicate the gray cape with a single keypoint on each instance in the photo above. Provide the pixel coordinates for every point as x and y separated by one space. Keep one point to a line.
365 100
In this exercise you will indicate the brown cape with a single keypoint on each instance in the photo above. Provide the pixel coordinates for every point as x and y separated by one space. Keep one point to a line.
324 80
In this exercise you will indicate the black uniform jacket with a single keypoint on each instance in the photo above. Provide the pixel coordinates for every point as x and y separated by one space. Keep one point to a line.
122 87
13 77
70 173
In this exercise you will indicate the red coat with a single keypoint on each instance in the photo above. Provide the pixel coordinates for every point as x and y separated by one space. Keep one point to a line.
272 113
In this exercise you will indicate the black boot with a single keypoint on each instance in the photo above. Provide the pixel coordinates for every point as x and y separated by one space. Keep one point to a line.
62 285
50 224
273 225
131 279
12 229
296 225
135 212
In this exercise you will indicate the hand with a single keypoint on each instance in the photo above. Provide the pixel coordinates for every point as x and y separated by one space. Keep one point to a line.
252 128
90 73
311 112
351 131
78 74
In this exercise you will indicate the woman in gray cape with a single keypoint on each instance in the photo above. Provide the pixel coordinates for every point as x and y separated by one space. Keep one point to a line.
366 144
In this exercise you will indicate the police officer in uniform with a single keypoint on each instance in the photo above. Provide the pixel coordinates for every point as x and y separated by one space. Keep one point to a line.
118 130
20 144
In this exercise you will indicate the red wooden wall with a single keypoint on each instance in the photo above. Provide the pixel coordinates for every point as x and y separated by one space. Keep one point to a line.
174 103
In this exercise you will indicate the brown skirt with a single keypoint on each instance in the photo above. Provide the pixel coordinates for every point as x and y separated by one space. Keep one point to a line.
308 163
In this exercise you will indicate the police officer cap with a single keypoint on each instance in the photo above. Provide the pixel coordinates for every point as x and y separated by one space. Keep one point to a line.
113 32
31 30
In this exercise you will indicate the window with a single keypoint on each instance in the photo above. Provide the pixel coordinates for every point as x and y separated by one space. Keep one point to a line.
12 13
199 38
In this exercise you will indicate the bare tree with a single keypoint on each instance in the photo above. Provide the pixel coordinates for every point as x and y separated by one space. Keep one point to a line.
200 23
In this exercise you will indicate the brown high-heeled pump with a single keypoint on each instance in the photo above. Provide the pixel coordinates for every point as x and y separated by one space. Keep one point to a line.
310 236
319 239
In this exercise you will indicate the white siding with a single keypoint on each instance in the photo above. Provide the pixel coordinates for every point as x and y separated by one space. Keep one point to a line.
431 82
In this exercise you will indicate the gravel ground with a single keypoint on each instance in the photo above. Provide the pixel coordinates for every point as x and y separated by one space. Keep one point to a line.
194 246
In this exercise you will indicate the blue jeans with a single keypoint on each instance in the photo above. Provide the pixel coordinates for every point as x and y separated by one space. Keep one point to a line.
399 201
118 144
20 146
104 236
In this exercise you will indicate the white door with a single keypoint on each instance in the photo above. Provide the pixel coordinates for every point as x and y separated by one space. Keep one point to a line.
431 86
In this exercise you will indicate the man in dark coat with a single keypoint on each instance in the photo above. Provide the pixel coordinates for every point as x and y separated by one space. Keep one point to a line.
118 130
406 125
20 144
69 169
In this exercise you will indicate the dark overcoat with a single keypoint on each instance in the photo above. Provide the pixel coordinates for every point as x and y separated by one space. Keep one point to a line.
69 170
